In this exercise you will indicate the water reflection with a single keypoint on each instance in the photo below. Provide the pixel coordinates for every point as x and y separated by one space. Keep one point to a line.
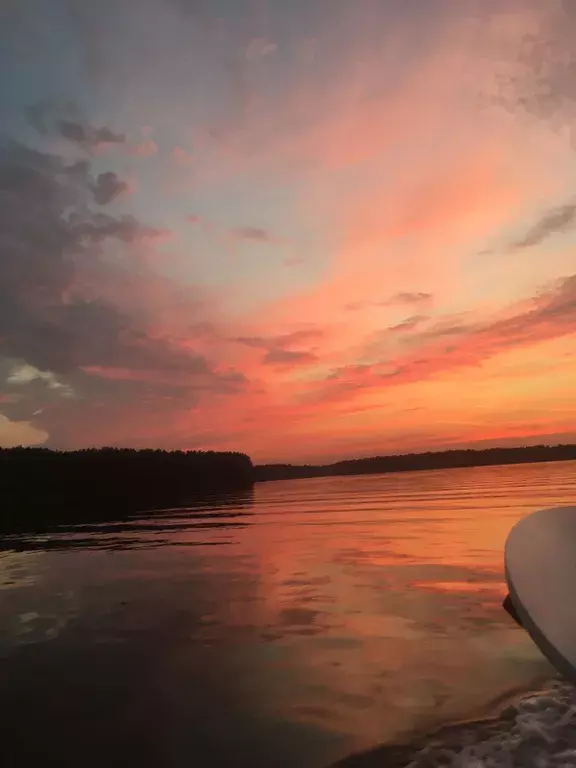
150 528
282 628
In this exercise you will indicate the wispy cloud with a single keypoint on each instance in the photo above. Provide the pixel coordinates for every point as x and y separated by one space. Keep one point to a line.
251 234
279 350
409 324
553 222
89 136
293 338
398 299
65 119
445 349
289 358
406 297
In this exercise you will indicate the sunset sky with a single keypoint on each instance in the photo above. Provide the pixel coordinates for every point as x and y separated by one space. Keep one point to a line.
306 230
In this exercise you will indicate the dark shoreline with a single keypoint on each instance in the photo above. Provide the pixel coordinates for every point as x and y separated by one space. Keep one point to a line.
419 462
42 487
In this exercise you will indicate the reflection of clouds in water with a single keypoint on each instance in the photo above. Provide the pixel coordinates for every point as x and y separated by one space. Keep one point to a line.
336 615
406 601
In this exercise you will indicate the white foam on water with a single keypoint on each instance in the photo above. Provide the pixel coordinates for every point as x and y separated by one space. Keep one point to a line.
538 731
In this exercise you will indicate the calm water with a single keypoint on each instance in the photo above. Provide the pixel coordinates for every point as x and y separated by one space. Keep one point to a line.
285 627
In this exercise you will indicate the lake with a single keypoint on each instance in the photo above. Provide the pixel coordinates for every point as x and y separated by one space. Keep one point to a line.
285 627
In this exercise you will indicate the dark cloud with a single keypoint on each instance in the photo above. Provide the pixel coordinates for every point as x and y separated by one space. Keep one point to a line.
46 232
97 361
136 411
100 226
103 411
258 342
552 222
283 340
279 348
254 234
87 135
107 187
66 120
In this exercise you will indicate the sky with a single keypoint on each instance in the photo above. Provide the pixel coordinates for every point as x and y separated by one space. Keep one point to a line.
303 230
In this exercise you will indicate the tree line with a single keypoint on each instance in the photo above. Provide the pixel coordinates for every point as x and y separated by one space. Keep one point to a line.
410 462
42 484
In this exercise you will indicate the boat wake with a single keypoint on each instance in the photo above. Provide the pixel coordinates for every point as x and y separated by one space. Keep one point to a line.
536 731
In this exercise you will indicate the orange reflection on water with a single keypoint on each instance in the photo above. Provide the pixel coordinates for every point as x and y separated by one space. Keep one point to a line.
402 580
462 586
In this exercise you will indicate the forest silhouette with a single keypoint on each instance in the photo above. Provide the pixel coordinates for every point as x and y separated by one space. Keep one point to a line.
41 487
412 462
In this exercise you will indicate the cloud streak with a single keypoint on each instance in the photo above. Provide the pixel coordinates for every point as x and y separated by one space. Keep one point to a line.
553 222
445 349
251 234
398 299
65 120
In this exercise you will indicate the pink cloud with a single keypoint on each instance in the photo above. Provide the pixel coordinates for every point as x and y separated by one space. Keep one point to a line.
183 156
144 148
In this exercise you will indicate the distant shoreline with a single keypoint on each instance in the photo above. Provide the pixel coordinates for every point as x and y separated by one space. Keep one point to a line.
419 462
42 487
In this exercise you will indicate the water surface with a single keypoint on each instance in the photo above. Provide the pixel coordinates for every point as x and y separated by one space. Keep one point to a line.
288 626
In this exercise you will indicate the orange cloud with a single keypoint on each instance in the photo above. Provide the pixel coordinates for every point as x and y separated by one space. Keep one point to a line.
441 349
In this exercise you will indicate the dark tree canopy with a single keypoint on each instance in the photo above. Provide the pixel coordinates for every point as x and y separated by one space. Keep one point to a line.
42 484
420 461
